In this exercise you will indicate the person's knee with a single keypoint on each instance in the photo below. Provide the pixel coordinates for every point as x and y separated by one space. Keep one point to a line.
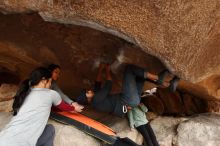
134 103
129 67
51 129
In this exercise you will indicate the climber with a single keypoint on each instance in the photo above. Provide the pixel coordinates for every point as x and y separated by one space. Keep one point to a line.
118 104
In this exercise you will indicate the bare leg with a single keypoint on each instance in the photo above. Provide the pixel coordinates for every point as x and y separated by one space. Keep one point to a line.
108 72
154 77
150 76
99 75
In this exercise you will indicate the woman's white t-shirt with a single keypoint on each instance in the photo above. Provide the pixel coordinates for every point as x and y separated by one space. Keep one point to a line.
25 128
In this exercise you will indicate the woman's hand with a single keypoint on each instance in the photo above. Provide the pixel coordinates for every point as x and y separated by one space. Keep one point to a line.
78 107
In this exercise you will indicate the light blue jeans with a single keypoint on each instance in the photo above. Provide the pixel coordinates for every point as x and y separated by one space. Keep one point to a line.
133 82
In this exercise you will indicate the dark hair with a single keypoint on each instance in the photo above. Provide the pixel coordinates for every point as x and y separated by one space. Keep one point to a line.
52 67
82 99
35 77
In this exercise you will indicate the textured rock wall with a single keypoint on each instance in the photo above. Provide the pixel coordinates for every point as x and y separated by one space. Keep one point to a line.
7 92
33 42
182 34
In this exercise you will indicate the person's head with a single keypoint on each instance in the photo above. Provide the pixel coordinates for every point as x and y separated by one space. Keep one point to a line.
39 77
89 95
55 71
85 96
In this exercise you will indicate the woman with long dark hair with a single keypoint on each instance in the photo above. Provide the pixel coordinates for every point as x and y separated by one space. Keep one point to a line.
31 107
55 71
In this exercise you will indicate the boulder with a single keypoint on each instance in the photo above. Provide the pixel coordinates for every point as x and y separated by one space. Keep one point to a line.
201 130
154 104
70 136
6 106
172 101
7 91
184 35
5 118
180 36
213 106
193 105
123 130
165 129
178 103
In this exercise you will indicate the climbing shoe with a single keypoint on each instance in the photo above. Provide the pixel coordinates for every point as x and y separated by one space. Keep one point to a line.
173 84
161 76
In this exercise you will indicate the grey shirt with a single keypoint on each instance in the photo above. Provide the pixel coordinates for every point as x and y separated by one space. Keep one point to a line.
25 128
106 102
63 96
